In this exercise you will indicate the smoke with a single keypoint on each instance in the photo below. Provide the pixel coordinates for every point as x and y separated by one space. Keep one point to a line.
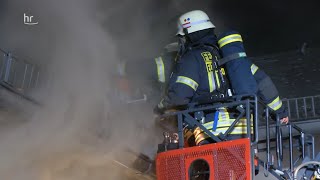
77 132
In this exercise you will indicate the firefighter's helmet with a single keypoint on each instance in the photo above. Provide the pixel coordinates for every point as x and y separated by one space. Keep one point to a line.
193 21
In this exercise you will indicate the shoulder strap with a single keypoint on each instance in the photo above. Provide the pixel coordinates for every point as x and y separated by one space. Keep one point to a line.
231 57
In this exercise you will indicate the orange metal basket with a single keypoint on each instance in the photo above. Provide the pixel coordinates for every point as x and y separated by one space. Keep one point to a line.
228 160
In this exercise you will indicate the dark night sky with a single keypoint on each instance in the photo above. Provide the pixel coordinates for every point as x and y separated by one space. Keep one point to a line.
267 26
270 26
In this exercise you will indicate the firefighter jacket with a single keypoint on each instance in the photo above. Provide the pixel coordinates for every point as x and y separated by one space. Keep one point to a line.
268 92
195 74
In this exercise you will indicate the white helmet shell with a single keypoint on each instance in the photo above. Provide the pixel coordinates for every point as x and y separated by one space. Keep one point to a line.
194 21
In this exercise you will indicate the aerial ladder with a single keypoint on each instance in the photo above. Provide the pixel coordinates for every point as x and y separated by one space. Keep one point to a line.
18 76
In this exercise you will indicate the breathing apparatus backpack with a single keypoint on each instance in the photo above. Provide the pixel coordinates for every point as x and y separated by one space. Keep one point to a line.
237 64
222 88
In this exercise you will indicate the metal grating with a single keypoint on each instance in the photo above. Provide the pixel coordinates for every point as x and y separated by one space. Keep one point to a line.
230 163
171 168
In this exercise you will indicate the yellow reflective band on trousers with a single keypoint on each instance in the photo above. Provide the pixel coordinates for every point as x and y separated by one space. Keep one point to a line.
201 135
224 122
275 104
160 69
229 39
187 81
223 126
223 114
254 69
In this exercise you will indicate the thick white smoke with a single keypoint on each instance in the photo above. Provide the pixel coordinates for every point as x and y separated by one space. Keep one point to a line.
76 54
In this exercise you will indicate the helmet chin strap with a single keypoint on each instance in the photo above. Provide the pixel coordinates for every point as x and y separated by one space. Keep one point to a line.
185 31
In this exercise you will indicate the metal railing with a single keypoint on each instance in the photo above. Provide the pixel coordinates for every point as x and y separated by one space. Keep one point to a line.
295 140
247 106
17 75
303 108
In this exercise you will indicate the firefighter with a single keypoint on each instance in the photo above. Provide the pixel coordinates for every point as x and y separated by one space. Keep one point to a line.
195 75
246 77
153 73
157 69
165 64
